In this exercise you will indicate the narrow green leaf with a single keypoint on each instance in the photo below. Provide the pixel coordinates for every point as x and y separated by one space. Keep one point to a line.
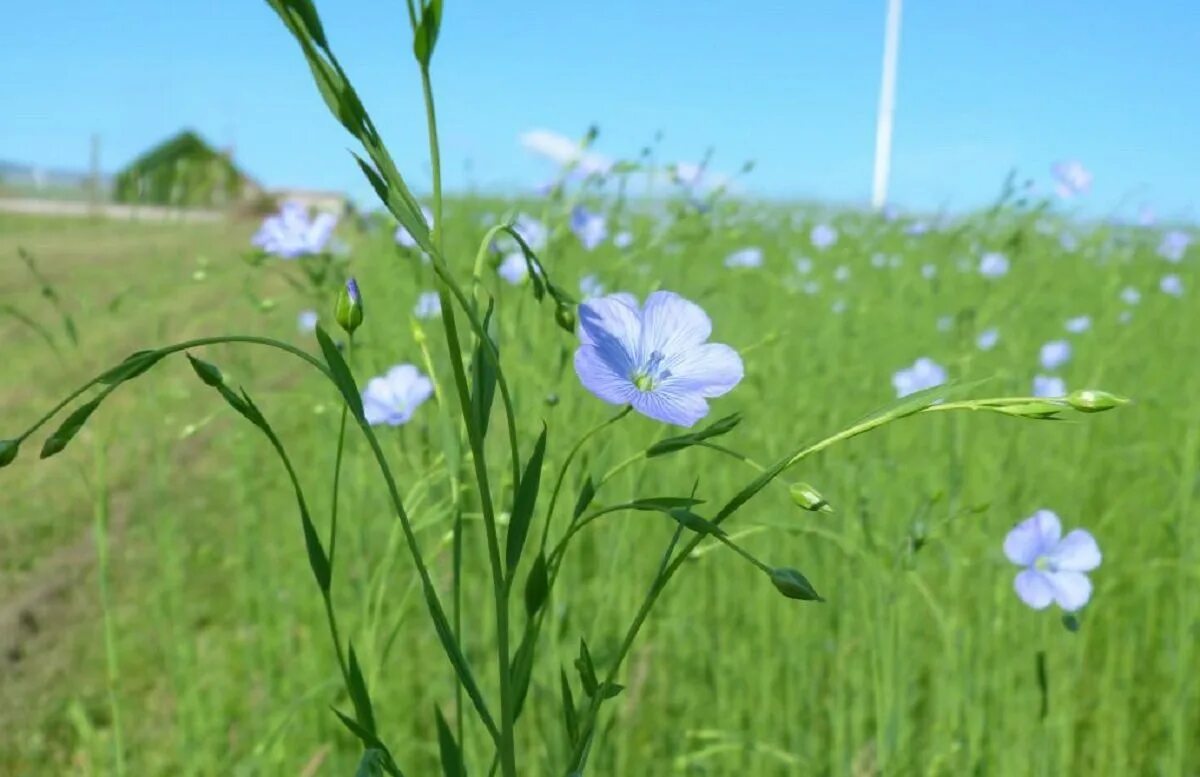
56 442
690 520
537 585
570 716
452 757
425 36
10 448
134 365
366 737
342 376
586 494
207 372
483 377
587 670
521 670
664 504
359 695
715 429
455 654
371 764
610 690
523 504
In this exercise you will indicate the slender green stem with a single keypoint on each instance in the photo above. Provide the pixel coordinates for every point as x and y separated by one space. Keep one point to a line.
111 660
506 743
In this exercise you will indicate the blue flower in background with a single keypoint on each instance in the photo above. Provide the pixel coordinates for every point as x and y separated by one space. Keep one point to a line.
591 287
623 239
514 268
746 257
404 238
823 236
1055 354
1055 567
428 305
987 339
655 357
532 231
1174 245
1069 242
291 233
1171 284
1130 295
993 265
928 271
1079 324
1071 178
306 322
392 398
924 373
804 265
1049 386
917 228
591 228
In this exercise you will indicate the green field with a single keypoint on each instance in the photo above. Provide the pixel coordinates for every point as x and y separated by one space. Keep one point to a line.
922 660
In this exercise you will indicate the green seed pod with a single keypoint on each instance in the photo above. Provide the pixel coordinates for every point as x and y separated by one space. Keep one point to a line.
565 316
1094 401
808 498
792 584
348 311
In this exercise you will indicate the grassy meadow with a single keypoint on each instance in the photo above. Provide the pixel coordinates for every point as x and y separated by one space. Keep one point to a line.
921 661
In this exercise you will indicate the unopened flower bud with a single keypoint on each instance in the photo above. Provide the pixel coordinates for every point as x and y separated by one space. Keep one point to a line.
808 498
349 309
1094 401
792 584
565 317
8 451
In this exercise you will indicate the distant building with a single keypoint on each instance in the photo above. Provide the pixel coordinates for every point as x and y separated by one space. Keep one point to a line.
184 171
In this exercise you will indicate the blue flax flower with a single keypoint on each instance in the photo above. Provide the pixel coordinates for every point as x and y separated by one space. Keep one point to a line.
429 305
392 398
745 257
1055 566
924 373
822 236
291 233
655 357
591 228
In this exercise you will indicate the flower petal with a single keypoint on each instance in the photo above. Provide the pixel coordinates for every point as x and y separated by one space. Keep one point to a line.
710 370
607 378
1034 589
1077 552
610 322
1071 589
1032 537
682 408
671 324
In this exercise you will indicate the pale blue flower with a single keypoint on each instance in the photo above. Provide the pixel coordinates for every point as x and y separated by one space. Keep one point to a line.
1174 245
623 239
1171 284
993 265
811 288
532 231
804 265
291 233
655 357
841 274
944 323
822 236
1146 216
1049 386
392 398
746 257
917 228
306 322
838 307
1068 241
1079 324
429 305
928 271
1055 354
1130 295
987 339
591 228
924 373
1071 178
878 260
1055 567
403 238
591 287
513 268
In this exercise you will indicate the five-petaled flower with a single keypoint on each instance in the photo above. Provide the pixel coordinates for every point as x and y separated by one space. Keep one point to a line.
291 233
392 398
591 228
654 357
1055 567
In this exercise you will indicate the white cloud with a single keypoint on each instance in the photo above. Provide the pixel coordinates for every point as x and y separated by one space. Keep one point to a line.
564 151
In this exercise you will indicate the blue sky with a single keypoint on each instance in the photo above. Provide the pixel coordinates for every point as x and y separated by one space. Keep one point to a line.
983 86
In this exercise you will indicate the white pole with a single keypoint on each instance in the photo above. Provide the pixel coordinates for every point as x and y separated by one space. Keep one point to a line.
887 106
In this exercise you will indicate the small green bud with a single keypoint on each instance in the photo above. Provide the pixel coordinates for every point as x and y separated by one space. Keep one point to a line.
565 316
808 498
552 399
794 585
8 451
1045 410
349 309
209 373
1094 401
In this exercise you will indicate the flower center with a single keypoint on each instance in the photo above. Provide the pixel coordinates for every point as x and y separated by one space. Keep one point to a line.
650 374
1043 564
